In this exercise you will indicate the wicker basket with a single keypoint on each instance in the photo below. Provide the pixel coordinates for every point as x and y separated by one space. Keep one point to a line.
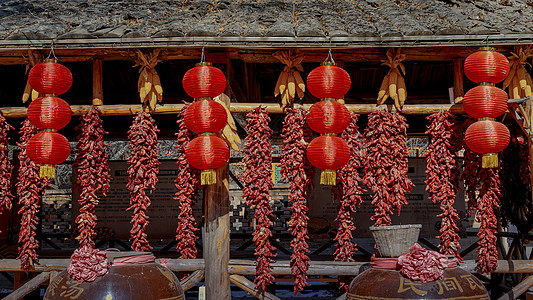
393 241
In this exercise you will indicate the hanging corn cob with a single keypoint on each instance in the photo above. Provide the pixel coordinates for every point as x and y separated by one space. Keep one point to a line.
393 84
33 59
149 83
229 133
518 80
290 82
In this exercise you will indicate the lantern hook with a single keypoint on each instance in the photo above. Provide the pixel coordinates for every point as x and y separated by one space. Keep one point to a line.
202 57
487 41
330 56
52 51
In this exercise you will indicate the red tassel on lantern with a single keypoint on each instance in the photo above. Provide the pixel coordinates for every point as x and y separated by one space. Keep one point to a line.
328 117
486 66
485 101
50 77
205 116
49 112
328 153
487 137
204 80
328 81
207 152
48 148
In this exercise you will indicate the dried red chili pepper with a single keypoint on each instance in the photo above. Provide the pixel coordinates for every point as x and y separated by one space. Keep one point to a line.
188 183
386 164
92 173
29 188
471 169
489 201
348 192
5 166
294 169
257 184
142 171
441 178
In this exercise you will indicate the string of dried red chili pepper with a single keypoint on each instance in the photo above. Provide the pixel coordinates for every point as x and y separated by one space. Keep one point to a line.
142 171
386 164
525 167
348 192
5 166
92 173
471 169
29 188
489 201
188 183
293 170
257 184
442 179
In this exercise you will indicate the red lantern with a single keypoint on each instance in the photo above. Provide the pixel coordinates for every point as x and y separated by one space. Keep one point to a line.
50 77
205 116
328 153
487 137
485 101
204 80
49 112
328 81
328 117
48 148
207 152
486 66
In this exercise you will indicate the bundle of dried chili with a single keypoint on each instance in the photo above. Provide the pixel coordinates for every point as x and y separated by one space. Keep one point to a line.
142 171
257 184
525 166
188 183
471 169
92 173
489 201
5 166
386 165
29 188
348 192
442 179
294 168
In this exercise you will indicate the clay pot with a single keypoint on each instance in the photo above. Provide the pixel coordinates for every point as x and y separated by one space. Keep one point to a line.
128 282
390 284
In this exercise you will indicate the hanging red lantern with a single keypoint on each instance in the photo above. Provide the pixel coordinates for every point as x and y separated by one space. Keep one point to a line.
328 153
485 101
205 116
50 77
486 65
204 80
48 148
328 117
49 112
328 81
207 152
487 137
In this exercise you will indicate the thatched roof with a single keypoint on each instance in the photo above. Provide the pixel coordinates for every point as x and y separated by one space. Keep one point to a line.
125 23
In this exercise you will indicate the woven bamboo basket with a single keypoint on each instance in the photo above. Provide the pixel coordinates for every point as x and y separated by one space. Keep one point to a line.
393 241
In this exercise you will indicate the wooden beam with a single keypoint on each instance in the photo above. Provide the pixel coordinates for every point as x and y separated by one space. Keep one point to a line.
519 289
458 91
249 287
217 235
273 108
98 92
29 286
192 280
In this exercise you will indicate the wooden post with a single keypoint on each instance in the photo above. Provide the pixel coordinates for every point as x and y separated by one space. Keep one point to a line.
98 92
217 231
458 91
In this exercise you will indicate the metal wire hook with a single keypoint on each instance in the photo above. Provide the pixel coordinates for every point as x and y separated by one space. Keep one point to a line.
330 56
202 57
52 51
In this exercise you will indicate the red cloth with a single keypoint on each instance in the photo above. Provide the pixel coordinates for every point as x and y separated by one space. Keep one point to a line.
419 265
